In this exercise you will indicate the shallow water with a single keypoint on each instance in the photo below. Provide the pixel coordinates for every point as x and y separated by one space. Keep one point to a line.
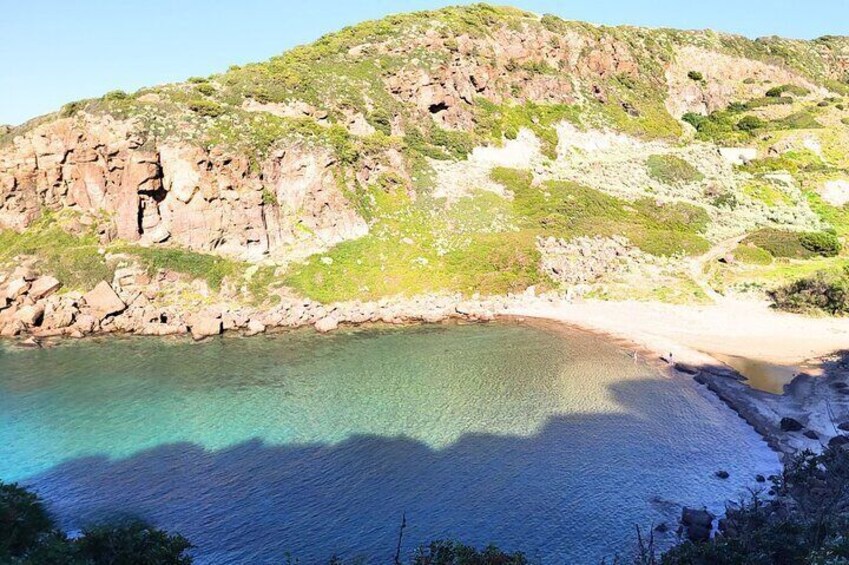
761 375
553 442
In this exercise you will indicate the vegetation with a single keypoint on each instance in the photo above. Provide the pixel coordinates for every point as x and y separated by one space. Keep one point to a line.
824 291
806 521
28 537
210 268
74 259
672 170
790 244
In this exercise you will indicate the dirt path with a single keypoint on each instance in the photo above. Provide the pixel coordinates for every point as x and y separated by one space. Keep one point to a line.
698 265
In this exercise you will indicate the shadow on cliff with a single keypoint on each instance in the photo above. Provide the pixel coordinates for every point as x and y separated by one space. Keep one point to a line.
255 502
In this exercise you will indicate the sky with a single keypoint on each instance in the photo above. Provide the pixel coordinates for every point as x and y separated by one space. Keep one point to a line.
55 51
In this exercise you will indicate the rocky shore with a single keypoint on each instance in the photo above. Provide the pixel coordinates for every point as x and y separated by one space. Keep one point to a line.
32 308
813 411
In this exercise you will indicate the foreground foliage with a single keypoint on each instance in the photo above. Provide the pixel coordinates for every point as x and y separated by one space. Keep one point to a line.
827 292
29 536
806 522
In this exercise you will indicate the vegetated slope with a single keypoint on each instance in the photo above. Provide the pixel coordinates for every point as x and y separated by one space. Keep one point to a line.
463 149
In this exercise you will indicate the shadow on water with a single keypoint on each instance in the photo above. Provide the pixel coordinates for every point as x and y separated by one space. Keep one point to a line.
254 502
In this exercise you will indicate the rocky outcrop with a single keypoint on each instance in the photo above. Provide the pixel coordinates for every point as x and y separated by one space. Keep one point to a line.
176 192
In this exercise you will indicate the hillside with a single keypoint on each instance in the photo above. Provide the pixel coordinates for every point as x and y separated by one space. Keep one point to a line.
473 150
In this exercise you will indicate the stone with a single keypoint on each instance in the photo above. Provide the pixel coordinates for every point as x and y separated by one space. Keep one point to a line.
760 478
30 316
697 524
43 287
844 427
24 272
722 474
838 441
811 434
204 325
17 288
103 301
791 425
327 324
254 327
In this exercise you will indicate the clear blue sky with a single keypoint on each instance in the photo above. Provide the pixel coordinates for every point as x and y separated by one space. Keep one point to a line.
54 51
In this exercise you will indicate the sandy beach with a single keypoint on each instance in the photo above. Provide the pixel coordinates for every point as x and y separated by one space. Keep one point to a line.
695 337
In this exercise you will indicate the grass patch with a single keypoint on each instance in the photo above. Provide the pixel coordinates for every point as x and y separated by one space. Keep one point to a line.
500 121
672 170
210 268
74 260
767 193
752 255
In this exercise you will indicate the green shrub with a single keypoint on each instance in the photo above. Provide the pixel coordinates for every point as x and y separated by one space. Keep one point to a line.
750 123
115 95
749 254
787 89
197 80
672 170
211 268
827 292
206 108
791 244
205 89
23 521
798 120
821 243
455 553
696 76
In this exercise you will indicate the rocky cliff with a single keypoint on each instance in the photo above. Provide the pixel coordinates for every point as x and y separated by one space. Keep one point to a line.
365 164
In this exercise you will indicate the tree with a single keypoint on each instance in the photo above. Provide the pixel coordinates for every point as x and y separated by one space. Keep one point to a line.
23 520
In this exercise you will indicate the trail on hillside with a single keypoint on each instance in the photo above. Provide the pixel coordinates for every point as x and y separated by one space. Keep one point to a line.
698 266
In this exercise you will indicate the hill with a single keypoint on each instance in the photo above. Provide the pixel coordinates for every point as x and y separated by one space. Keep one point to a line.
472 150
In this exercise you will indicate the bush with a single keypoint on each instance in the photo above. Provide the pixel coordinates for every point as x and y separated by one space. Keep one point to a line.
455 553
115 95
205 89
23 521
696 76
672 170
821 243
750 123
805 523
206 108
798 245
787 89
823 291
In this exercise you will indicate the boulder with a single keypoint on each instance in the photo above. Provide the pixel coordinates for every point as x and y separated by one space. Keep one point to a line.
254 327
844 427
838 441
327 324
43 287
25 273
103 301
811 434
697 524
791 425
17 288
30 316
722 474
204 325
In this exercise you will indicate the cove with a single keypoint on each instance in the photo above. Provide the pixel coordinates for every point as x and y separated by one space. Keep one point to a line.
533 437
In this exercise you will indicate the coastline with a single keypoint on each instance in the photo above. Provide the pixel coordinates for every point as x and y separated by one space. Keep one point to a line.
684 340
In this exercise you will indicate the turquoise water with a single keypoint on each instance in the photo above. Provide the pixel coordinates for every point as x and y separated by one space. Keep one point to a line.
553 442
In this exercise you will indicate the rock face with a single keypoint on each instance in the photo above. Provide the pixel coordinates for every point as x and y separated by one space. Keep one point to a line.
203 200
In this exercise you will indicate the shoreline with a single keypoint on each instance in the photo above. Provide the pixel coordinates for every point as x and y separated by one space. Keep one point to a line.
680 339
